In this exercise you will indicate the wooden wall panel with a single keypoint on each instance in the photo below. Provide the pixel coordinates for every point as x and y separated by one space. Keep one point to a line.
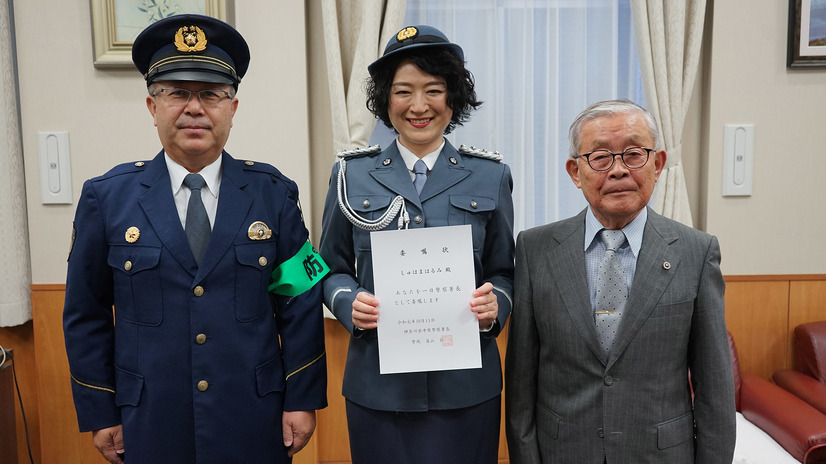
331 433
61 440
760 312
807 303
8 426
21 339
757 317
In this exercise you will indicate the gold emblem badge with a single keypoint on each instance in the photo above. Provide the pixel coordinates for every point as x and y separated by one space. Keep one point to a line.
259 231
190 39
132 234
407 33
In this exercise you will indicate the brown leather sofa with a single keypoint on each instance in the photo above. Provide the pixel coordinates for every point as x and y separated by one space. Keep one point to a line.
808 380
798 427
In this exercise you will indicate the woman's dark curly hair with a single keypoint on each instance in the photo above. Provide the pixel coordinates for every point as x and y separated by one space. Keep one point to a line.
437 61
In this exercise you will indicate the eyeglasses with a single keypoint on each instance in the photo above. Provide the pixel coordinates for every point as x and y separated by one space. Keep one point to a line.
174 96
602 160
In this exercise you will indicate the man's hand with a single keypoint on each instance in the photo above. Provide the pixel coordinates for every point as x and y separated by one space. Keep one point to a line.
297 428
109 442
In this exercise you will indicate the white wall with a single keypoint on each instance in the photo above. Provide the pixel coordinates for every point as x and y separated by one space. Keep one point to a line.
777 230
107 120
746 81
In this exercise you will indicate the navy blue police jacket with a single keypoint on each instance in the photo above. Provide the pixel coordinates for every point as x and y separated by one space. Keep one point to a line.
461 189
197 363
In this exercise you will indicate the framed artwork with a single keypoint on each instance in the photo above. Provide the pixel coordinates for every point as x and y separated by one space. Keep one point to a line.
807 33
116 23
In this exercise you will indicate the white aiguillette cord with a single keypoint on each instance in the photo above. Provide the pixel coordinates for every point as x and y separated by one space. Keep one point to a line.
372 225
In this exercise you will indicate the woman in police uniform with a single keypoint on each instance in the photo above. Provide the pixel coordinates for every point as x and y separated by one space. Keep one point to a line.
420 88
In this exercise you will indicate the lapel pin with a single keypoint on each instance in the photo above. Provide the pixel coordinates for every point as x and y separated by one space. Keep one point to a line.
132 234
259 231
452 160
666 265
386 162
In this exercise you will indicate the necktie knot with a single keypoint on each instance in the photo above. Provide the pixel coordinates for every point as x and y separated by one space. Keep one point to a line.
194 181
613 239
420 169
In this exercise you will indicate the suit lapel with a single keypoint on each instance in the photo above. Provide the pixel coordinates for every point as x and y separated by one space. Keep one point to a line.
444 174
159 206
651 278
394 174
233 205
572 280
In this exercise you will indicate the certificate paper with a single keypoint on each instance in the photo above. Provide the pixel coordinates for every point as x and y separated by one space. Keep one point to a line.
424 282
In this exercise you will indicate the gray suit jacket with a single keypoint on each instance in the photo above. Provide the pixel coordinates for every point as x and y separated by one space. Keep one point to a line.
569 402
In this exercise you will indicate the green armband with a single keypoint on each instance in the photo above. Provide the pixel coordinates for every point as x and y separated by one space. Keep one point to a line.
299 273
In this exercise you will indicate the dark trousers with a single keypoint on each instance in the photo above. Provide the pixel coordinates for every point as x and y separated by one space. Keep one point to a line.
454 436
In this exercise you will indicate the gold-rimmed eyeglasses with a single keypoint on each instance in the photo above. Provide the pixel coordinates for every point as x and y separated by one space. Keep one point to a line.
175 96
603 160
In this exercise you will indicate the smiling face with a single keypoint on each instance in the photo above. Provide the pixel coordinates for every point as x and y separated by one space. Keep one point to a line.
618 195
418 108
192 135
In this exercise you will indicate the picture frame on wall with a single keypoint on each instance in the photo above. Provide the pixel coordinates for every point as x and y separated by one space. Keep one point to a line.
116 23
807 33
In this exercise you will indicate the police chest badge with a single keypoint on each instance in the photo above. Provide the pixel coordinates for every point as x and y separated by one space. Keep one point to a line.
259 231
132 234
190 39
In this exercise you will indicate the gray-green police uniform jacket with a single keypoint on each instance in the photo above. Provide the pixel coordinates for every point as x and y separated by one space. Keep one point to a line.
192 367
461 189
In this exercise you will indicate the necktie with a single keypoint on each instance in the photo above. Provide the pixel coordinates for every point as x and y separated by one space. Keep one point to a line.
420 169
612 291
197 222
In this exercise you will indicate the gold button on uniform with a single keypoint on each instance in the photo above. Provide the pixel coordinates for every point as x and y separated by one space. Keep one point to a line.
203 385
200 339
127 265
198 291
262 261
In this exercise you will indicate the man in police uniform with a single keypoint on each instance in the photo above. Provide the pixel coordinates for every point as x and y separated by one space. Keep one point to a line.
215 350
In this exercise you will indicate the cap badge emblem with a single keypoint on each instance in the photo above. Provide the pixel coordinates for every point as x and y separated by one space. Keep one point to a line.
259 231
407 33
190 39
132 234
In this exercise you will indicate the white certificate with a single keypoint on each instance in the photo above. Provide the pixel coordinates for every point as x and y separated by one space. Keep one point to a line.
424 282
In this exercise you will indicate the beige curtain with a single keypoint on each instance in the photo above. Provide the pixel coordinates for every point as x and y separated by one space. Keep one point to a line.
669 38
355 32
15 265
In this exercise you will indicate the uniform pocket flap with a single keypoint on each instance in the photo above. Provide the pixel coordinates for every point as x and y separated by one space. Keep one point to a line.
472 203
269 377
257 255
675 431
132 259
128 387
367 203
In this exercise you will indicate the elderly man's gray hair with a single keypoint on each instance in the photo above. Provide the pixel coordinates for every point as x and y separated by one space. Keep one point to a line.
608 108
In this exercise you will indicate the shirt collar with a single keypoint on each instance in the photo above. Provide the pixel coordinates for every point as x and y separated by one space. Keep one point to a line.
633 231
211 174
410 159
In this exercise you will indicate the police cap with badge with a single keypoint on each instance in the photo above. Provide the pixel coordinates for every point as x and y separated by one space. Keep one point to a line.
412 37
191 48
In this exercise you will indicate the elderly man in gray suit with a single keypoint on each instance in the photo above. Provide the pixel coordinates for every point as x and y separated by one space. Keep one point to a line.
618 351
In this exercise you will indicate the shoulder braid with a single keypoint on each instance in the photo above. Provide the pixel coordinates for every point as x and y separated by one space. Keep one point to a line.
480 153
